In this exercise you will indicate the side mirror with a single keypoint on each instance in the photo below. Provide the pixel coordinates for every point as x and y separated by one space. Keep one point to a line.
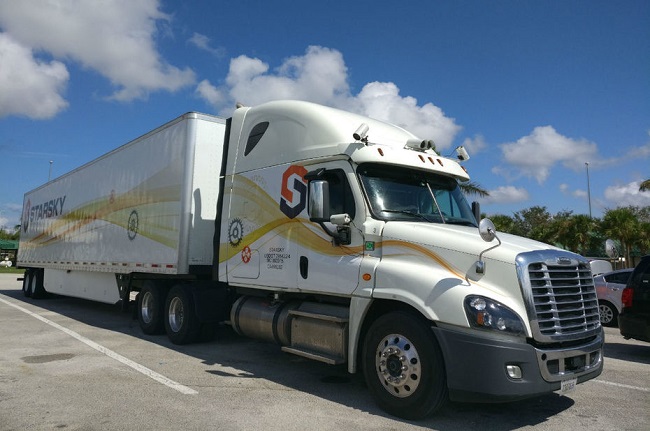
319 197
487 230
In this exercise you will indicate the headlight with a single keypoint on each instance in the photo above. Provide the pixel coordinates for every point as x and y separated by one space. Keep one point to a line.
485 313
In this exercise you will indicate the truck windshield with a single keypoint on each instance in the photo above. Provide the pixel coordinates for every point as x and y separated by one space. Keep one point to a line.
396 193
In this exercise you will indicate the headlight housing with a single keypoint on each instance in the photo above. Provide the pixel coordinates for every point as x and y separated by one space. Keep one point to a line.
484 313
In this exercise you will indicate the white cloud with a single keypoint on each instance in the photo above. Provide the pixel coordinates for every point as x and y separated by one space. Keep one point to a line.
627 195
210 93
506 194
534 155
203 42
321 76
30 87
382 100
475 145
114 38
580 194
577 193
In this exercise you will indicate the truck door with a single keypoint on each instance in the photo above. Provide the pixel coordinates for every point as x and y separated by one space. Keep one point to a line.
323 266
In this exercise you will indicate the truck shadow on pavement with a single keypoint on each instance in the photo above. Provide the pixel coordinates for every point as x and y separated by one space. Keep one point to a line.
229 356
628 352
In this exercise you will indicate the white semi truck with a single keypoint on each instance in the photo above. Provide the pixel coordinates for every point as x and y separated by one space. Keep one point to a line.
341 238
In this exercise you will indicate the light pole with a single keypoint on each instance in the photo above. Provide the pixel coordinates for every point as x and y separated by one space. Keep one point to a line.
588 189
49 176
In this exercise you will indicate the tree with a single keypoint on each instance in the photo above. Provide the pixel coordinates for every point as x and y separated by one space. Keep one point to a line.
472 188
5 234
575 232
534 223
503 223
622 224
645 186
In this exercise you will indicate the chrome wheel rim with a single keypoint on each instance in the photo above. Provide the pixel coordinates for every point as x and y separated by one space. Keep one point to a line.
398 365
146 309
606 314
176 314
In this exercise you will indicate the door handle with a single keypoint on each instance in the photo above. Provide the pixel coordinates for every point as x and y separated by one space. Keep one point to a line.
304 267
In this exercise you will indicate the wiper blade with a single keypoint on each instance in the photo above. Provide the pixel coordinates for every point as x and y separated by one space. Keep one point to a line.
410 213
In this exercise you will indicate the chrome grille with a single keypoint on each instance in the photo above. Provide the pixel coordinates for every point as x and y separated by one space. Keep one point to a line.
561 296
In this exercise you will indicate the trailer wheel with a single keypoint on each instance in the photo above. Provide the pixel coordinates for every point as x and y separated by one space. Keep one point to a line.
403 366
36 289
27 283
151 308
181 323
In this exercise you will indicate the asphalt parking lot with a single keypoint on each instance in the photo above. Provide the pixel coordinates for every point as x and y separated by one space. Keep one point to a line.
72 364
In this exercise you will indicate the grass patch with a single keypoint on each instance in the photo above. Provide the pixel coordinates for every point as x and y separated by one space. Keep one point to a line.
11 270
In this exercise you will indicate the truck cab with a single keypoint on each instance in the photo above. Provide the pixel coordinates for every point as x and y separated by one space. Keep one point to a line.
357 233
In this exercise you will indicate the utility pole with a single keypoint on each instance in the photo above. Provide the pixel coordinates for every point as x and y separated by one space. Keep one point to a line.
588 188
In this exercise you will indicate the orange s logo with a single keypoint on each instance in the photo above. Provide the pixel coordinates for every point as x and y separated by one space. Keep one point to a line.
292 205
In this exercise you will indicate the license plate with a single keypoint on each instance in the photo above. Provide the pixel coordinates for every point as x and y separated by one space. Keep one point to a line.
567 386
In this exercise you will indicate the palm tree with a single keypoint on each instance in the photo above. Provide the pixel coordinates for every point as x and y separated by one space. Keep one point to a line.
622 224
472 188
645 186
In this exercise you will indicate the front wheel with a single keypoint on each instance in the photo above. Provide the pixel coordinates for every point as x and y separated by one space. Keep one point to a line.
181 322
403 366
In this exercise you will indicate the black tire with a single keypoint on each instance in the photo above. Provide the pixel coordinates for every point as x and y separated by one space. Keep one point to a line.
151 308
181 322
27 283
401 339
608 314
36 288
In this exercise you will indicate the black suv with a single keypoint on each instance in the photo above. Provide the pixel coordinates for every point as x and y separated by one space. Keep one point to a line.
634 321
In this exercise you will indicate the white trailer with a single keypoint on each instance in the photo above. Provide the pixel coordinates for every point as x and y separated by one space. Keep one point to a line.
341 238
146 207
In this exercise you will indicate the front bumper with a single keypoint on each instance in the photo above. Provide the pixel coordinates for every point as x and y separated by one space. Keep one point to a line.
476 365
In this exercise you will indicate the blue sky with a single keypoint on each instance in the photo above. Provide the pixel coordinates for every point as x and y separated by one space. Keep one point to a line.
533 90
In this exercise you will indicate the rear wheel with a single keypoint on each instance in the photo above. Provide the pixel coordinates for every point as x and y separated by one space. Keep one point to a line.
181 322
151 308
403 366
608 314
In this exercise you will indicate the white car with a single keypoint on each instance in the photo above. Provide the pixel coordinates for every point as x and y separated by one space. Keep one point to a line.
5 262
609 287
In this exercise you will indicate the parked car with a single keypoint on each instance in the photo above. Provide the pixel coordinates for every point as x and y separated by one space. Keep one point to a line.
609 288
6 262
634 320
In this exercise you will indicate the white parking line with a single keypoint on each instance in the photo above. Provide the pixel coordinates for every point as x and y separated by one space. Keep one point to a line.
620 385
126 361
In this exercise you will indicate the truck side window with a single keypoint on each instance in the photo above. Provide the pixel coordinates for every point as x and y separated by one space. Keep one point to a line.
341 198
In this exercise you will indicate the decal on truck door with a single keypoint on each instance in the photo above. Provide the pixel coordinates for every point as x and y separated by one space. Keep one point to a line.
293 181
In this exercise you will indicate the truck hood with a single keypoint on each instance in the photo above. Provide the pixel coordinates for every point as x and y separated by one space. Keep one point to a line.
433 268
461 239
